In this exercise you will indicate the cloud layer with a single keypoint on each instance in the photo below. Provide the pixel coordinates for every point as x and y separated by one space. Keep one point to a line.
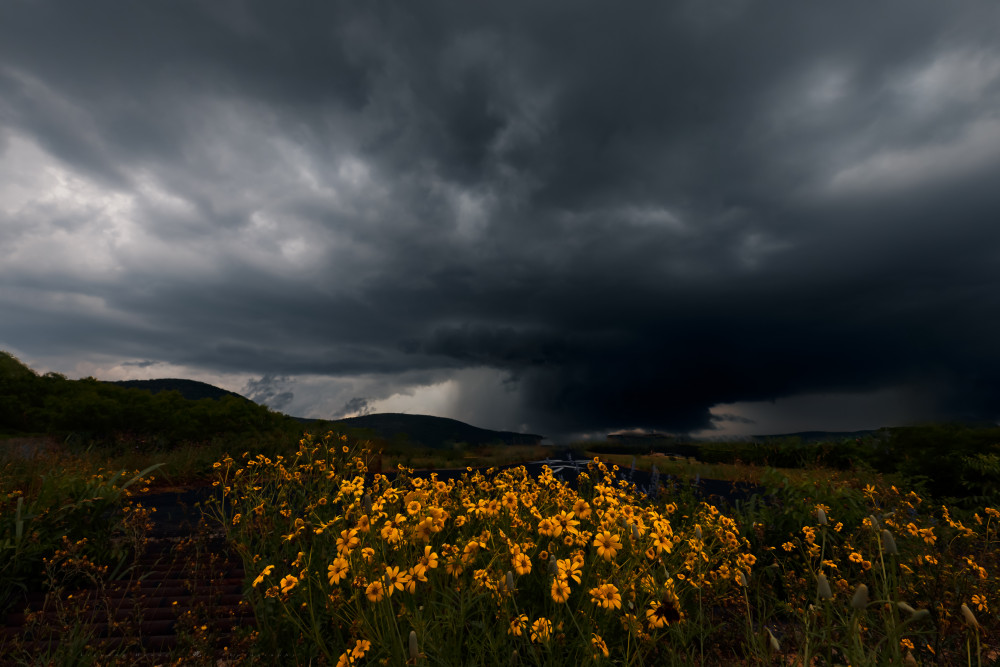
565 217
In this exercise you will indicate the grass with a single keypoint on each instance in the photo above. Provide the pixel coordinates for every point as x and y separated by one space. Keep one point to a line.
346 568
688 469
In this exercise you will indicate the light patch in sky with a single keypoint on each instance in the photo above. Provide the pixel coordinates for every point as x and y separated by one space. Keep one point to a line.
893 171
483 397
951 79
895 406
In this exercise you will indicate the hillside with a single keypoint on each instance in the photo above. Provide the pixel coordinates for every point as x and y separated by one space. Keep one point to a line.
189 389
427 431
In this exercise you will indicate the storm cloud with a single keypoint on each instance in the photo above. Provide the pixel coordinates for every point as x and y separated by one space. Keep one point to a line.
562 217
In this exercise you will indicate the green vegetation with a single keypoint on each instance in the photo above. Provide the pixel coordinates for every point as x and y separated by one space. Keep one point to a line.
96 413
865 551
494 569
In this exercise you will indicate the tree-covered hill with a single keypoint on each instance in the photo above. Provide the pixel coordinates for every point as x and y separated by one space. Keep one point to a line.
190 389
428 431
107 412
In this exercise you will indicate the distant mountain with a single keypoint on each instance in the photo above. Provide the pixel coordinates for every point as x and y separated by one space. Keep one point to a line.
427 431
189 389
819 436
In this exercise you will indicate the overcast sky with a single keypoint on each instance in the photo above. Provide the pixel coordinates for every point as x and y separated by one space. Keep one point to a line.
559 217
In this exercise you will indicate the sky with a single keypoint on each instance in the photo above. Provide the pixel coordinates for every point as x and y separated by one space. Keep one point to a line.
563 218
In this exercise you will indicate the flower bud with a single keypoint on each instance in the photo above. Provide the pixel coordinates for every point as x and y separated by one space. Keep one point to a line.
860 599
821 516
697 530
888 543
823 587
635 532
414 653
909 660
514 658
368 503
741 578
969 617
907 608
920 614
509 581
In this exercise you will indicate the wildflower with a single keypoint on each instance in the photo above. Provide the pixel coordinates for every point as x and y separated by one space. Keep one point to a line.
394 579
260 577
607 545
788 546
549 528
430 559
606 596
980 602
375 591
369 554
560 589
518 625
600 648
522 564
337 570
571 569
361 647
541 630
663 612
347 541
453 567
288 583
413 508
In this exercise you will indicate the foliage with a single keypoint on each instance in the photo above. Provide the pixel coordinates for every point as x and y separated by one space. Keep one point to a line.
69 504
107 414
345 566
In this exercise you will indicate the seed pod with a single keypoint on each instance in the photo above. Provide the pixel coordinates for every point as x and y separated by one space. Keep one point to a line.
697 530
907 608
741 578
821 516
920 614
772 642
553 566
635 532
414 653
860 599
509 581
969 617
823 587
888 543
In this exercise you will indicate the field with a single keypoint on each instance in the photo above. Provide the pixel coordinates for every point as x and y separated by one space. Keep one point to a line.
343 566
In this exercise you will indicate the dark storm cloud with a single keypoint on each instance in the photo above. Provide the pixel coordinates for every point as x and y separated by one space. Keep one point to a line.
269 390
635 215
